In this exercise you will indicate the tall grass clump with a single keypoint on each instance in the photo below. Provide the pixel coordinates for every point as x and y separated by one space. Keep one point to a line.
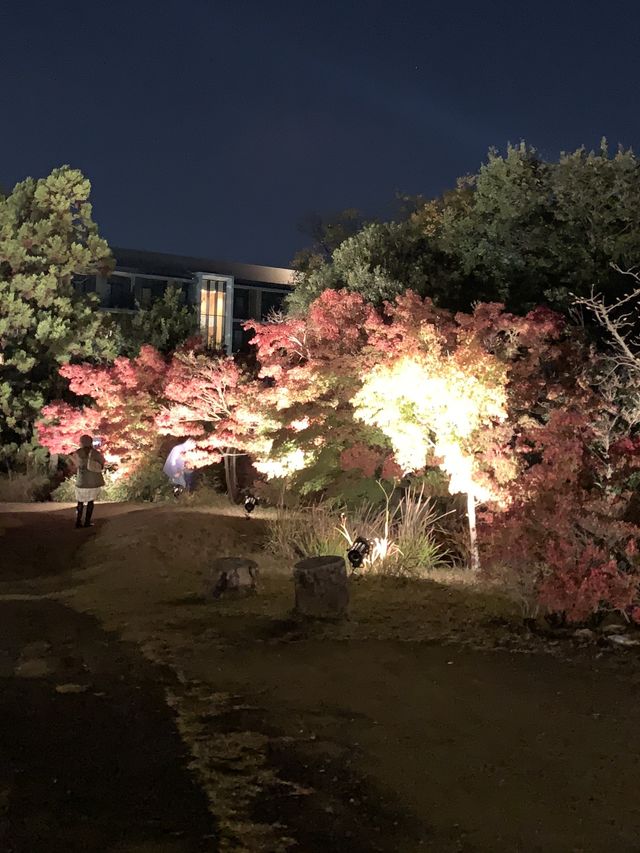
406 538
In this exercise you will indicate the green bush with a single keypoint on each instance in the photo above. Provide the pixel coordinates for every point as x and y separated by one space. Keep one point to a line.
27 476
24 487
147 483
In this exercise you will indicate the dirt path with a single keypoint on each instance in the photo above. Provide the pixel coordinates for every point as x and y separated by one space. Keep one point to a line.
331 739
90 758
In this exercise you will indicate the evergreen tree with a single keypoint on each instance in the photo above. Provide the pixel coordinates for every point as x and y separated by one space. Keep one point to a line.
523 231
166 324
537 232
47 236
379 262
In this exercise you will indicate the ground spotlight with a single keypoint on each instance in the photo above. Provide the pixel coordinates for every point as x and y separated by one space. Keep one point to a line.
358 551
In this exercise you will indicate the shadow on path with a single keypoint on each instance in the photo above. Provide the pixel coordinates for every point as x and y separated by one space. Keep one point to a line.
90 759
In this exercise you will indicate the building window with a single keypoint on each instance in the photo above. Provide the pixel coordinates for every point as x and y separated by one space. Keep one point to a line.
147 289
241 303
212 307
271 303
120 292
84 284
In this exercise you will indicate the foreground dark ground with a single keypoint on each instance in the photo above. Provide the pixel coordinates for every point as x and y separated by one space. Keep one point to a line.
89 755
405 729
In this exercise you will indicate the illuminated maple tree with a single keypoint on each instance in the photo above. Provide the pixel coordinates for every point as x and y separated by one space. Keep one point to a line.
512 410
124 400
133 403
311 369
213 400
569 528
433 388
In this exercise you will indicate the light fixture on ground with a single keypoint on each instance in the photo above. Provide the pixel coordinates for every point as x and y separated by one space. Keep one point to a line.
358 551
250 504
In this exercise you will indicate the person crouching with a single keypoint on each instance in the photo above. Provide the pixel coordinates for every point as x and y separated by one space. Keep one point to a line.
89 479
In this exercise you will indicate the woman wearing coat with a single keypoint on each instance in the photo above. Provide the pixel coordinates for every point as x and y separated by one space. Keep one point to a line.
89 480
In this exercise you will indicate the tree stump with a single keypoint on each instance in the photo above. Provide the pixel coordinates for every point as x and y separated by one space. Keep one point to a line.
321 587
233 575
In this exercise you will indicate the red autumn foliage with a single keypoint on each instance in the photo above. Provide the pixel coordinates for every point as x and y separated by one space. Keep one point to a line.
134 402
212 400
317 363
311 367
125 398
565 525
579 581
359 457
560 462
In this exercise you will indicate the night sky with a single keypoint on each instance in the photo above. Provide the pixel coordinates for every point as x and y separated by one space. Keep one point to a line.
211 128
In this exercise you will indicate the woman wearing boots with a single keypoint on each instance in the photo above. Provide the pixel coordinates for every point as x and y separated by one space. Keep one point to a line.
89 479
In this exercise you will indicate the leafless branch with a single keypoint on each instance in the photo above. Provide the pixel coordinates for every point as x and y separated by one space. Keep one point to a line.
620 320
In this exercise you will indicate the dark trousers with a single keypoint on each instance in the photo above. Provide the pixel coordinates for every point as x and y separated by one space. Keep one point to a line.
88 514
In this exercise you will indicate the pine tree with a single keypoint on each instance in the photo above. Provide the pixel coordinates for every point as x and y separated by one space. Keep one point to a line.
47 236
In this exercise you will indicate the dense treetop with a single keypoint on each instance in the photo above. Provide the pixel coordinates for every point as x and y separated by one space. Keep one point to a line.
522 231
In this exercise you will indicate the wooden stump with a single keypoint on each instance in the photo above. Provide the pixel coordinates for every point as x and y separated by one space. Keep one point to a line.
321 587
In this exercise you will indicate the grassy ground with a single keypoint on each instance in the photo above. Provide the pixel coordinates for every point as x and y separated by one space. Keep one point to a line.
430 720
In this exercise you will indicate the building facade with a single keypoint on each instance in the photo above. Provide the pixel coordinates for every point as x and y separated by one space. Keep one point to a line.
225 295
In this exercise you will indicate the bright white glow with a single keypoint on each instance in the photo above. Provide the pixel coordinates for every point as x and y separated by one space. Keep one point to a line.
459 467
118 471
426 413
299 425
284 466
381 548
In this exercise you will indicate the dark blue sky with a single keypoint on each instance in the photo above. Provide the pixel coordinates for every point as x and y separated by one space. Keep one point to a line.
210 127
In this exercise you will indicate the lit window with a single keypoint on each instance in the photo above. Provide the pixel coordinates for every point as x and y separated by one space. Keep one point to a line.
212 309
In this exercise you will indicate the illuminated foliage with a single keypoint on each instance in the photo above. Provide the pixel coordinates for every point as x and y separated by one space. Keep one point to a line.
311 368
166 324
431 388
398 390
515 412
443 389
125 398
209 398
136 401
568 524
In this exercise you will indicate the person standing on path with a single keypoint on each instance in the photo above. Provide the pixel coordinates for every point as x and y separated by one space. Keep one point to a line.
89 480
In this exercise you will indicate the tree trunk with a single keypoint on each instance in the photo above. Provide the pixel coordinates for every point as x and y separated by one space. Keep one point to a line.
231 476
473 535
